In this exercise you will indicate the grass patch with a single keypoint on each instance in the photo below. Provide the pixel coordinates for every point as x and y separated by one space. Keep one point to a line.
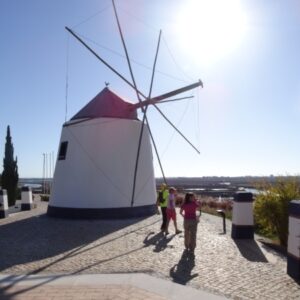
213 211
210 205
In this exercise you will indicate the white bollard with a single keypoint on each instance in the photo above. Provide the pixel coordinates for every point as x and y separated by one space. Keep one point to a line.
26 197
3 204
242 216
293 250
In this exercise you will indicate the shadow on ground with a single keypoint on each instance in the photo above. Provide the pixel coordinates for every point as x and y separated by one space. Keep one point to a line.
250 250
159 241
274 248
182 271
41 237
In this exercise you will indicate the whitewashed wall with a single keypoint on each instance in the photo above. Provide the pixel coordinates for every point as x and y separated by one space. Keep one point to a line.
99 166
242 213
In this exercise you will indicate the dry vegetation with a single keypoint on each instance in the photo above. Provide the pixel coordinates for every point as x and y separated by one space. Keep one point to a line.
211 204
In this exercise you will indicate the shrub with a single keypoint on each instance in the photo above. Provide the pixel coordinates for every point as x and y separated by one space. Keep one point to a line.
45 198
271 208
210 205
10 176
179 200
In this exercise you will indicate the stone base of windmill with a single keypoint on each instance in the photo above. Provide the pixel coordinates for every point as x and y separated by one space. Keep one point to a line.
102 213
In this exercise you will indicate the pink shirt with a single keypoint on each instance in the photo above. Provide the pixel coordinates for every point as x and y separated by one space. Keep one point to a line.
190 210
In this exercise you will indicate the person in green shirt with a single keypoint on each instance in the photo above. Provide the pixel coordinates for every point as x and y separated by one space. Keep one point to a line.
162 201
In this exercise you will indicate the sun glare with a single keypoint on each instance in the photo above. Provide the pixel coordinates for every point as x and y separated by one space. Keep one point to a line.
209 30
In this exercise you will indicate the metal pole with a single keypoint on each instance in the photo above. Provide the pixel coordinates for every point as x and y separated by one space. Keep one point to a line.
43 173
46 173
52 175
50 172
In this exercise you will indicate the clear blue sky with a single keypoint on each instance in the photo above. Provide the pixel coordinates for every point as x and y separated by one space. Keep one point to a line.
245 121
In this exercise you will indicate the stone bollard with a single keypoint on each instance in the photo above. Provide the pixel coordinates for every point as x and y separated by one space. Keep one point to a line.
242 216
293 250
26 196
3 204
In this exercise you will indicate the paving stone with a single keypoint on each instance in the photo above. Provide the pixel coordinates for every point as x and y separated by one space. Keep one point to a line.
33 243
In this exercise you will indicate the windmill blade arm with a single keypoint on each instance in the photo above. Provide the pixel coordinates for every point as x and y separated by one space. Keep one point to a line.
103 61
127 55
173 100
178 91
156 152
154 65
176 128
151 101
144 109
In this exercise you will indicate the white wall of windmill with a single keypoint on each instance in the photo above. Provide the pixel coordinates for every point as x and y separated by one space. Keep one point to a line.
99 166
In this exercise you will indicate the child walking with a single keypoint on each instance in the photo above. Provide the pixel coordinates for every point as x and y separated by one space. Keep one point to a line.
188 211
171 212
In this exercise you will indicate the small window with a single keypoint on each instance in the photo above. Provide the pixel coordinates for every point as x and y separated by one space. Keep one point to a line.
63 151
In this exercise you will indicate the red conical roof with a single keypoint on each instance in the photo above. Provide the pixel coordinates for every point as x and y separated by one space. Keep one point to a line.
107 105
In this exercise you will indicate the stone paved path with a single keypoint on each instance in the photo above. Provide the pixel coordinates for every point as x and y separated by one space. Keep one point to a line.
32 243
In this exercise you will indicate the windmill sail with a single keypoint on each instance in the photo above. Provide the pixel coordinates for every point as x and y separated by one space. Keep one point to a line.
106 168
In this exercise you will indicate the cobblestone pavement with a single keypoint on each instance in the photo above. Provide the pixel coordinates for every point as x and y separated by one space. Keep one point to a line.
33 243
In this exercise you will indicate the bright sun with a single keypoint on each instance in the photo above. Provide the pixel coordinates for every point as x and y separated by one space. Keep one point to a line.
208 30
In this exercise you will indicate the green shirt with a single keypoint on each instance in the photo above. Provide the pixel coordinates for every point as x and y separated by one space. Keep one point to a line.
165 197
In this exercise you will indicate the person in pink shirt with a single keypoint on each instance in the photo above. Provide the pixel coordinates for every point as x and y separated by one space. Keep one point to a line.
188 211
171 212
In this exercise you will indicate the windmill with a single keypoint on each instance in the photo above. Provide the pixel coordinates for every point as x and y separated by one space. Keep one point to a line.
105 166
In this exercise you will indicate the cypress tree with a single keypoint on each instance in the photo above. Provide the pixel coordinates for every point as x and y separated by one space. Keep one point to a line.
10 174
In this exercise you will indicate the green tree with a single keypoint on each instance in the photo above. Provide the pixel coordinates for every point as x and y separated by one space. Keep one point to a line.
10 174
271 207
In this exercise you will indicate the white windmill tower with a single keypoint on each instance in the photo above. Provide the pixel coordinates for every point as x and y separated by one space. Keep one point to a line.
104 167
